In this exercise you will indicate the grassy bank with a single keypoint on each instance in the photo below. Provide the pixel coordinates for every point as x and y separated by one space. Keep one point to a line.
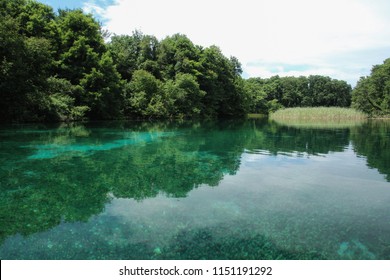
325 117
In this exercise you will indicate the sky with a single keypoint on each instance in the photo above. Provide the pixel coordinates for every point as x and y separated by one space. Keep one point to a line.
342 39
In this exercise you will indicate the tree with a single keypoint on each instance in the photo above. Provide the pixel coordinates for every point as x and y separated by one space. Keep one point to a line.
177 54
78 60
360 100
372 93
61 103
24 67
102 90
294 89
324 91
37 20
277 92
142 94
136 52
147 57
74 24
11 8
254 87
225 95
12 72
124 52
342 93
184 96
81 45
85 62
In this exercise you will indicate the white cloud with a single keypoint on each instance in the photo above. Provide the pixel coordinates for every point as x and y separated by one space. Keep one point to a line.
270 31
97 7
92 8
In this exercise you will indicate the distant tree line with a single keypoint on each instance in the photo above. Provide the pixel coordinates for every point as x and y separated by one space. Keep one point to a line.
268 95
59 66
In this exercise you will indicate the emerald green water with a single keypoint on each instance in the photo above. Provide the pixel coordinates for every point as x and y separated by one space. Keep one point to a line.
250 189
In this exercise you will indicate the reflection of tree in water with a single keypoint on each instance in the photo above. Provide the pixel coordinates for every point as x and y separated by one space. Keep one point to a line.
276 139
372 140
38 194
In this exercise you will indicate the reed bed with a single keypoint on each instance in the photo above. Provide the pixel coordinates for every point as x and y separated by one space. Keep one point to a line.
318 114
320 117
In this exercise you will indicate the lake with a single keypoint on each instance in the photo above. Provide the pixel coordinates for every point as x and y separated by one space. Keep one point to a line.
246 189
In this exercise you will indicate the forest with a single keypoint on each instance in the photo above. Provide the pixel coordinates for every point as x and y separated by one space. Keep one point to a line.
62 66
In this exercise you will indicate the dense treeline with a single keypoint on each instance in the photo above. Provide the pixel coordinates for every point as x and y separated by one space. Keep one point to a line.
58 66
174 77
268 95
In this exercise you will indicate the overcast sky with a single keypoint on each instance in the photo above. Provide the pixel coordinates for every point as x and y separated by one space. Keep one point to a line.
337 38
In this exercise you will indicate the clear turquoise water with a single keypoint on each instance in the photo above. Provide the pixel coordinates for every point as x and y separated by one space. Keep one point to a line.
248 189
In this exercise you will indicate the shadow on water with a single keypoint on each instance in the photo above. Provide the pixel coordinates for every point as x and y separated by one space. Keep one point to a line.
68 174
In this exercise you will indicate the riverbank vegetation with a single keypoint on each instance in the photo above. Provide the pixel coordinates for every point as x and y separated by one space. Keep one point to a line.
318 113
320 117
61 66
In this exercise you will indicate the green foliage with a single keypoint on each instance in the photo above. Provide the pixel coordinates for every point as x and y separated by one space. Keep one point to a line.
273 105
225 95
25 63
61 103
182 80
11 8
55 66
72 73
13 73
294 89
372 93
36 19
257 96
324 91
78 60
73 25
124 51
268 95
102 90
184 95
177 54
143 95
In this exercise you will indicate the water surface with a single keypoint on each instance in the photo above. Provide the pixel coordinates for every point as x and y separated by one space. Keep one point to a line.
248 189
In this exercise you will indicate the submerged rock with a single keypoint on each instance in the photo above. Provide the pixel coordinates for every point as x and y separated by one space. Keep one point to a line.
354 250
157 251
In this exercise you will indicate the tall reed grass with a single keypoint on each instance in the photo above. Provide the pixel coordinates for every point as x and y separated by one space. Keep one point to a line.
318 114
319 117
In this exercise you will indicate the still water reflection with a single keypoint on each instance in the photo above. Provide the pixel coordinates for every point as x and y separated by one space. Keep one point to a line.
250 189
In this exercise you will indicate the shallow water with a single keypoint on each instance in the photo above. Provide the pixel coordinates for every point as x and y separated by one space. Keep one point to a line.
248 189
